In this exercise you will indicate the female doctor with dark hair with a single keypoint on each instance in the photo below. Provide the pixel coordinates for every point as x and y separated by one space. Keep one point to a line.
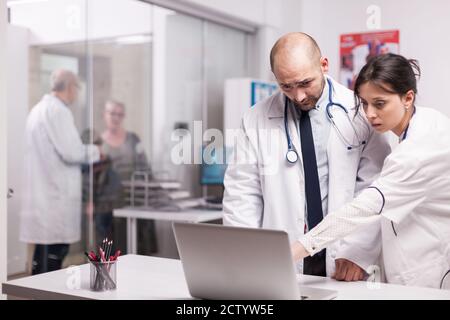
411 197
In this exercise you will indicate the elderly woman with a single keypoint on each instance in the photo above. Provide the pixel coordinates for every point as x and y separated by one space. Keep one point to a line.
127 155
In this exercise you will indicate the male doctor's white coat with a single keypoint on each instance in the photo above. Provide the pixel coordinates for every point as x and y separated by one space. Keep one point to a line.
263 190
51 207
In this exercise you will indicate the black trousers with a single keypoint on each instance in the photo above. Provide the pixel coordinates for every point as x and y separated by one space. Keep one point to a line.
49 257
316 265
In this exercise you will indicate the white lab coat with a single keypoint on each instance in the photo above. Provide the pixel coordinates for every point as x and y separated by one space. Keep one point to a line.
415 181
263 190
413 196
51 207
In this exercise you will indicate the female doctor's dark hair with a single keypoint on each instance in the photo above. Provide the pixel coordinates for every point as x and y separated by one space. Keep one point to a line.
391 72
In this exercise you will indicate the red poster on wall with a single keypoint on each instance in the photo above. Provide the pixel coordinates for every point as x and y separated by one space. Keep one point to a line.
357 48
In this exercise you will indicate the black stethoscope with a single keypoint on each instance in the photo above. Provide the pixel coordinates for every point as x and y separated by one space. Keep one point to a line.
292 155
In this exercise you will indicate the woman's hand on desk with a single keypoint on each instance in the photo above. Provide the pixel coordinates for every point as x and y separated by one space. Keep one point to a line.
298 251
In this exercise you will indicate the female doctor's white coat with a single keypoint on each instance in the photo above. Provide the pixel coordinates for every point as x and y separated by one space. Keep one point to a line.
51 203
262 190
413 196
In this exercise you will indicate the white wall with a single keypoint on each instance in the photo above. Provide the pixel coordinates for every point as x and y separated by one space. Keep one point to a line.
423 25
3 220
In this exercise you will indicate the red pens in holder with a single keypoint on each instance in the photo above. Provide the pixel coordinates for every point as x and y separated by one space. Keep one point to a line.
103 275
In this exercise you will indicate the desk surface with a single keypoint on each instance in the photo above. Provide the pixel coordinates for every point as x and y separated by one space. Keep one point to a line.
150 278
199 215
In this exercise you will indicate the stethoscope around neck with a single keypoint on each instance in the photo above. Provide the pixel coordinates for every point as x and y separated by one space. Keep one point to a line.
292 155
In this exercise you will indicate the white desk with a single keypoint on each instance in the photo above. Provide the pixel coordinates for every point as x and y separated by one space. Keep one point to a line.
132 214
150 278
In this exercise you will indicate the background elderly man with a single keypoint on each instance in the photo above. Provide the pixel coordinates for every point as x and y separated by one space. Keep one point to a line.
51 210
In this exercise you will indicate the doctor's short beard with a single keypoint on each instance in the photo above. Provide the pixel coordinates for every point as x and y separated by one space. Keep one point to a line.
307 104
311 101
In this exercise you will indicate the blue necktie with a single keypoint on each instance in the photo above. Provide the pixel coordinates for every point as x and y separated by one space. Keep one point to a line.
315 265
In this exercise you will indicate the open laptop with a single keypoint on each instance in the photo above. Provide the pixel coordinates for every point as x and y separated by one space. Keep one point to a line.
222 263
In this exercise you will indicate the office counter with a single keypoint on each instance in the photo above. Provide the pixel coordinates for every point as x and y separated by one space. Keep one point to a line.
151 278
132 214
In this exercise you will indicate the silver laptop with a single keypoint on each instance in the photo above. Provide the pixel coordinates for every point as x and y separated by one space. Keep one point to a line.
222 262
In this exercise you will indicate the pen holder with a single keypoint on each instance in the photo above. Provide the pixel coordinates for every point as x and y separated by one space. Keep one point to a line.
103 275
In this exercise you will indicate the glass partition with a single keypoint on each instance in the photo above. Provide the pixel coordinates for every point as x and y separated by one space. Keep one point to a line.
140 73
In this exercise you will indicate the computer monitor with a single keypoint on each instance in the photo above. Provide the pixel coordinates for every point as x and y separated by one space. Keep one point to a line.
213 166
